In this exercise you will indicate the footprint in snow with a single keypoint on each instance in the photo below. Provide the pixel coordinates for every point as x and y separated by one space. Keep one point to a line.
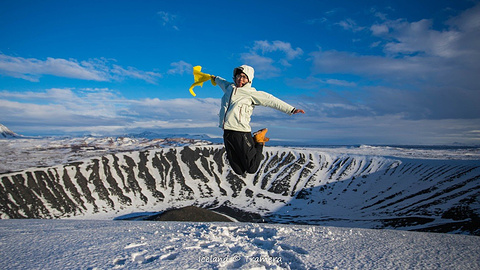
130 246
169 256
142 258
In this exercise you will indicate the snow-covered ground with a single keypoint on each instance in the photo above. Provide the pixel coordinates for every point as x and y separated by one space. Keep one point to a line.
82 244
108 244
22 153
414 152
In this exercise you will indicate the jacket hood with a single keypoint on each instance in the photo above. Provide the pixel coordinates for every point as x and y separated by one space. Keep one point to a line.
248 70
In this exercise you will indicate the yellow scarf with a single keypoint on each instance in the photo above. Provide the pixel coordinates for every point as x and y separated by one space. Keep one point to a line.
199 78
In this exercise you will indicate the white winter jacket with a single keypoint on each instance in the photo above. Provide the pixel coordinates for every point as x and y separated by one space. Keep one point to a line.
238 103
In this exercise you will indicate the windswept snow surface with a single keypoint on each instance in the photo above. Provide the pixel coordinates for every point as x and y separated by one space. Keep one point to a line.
23 153
411 152
108 244
82 244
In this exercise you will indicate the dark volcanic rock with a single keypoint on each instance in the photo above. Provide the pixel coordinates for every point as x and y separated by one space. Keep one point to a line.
191 213
240 215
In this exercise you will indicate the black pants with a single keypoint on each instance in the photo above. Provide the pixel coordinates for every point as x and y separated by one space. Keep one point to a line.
243 153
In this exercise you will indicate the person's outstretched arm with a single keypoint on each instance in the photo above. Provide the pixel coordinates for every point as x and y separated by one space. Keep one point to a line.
221 82
298 111
268 100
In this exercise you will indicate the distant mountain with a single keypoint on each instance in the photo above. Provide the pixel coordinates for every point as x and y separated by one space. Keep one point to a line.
292 186
155 135
7 133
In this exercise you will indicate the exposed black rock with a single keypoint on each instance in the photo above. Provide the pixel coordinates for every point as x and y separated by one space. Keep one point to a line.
190 213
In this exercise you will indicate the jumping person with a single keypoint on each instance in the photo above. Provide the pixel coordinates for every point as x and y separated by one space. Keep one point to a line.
244 152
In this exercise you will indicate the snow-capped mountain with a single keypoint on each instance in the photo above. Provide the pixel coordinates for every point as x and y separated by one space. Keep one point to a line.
7 133
156 135
304 186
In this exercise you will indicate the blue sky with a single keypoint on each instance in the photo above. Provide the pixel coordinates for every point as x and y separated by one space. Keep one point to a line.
366 72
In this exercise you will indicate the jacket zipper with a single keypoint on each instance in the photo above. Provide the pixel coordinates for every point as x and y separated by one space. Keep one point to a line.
228 107
240 114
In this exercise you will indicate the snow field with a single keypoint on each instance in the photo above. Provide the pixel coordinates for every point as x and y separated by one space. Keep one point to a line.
83 244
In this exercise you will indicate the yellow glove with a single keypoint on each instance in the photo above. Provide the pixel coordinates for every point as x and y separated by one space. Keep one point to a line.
199 78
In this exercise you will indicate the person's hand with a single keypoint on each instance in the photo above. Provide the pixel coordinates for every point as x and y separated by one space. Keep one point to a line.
298 111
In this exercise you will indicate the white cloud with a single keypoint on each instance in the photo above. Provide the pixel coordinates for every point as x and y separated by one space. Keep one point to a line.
94 70
340 82
459 38
316 21
168 19
314 83
335 121
265 47
31 69
180 67
61 104
418 87
468 21
386 129
103 110
351 25
119 73
416 53
420 37
327 120
379 29
162 124
426 76
266 67
370 65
